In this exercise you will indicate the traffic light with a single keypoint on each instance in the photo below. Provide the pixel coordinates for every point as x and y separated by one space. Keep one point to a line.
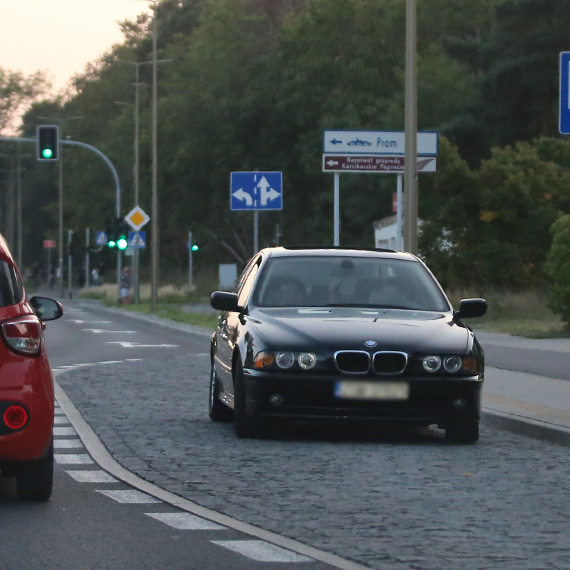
122 234
117 233
195 247
47 142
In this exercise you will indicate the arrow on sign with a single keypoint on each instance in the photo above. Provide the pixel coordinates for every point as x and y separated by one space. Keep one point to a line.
267 193
333 163
336 141
243 196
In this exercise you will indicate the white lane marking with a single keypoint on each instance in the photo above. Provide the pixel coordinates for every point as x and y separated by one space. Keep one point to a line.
262 551
81 322
98 476
127 344
129 497
73 366
73 459
60 420
64 431
67 444
185 521
101 331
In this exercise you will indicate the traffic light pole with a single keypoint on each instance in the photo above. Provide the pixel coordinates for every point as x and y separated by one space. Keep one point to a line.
117 193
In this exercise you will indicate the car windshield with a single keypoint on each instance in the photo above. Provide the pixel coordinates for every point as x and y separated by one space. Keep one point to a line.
344 281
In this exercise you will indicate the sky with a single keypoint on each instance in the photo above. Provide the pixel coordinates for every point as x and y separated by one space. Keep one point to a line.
60 36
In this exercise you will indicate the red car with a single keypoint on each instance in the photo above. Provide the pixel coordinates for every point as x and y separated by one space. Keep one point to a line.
26 384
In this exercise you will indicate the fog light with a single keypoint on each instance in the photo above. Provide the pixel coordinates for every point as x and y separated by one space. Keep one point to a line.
15 417
276 399
459 404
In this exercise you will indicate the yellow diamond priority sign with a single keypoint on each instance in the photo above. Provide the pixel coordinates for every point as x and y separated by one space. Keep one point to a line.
137 218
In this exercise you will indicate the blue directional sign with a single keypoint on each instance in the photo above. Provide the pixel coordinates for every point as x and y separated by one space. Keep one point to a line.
256 191
564 111
137 240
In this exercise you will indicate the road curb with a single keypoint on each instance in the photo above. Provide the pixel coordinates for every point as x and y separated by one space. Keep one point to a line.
527 427
105 460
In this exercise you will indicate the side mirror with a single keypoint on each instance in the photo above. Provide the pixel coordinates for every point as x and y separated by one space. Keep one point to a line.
471 308
46 309
224 301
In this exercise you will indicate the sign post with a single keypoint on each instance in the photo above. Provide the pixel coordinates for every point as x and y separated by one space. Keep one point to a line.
374 152
564 103
137 218
256 191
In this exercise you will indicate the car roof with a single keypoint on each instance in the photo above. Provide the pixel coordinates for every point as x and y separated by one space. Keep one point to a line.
330 251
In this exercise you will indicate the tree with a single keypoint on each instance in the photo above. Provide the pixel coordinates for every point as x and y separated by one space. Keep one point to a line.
17 91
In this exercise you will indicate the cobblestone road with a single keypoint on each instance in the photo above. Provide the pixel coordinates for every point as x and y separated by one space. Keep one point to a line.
391 501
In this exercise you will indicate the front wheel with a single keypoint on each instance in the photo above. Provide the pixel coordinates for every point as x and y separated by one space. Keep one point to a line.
462 432
218 412
34 479
244 426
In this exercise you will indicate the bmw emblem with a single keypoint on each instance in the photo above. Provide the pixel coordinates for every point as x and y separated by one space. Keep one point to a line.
370 344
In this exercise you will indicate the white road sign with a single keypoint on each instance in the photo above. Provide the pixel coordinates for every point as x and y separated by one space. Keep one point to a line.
377 142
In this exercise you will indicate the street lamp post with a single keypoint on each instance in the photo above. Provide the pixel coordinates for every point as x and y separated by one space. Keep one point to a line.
136 169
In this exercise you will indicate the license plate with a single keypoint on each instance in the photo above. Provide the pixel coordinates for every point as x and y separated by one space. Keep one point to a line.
362 390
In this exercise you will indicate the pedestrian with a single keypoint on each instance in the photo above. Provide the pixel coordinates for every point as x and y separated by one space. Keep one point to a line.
125 298
95 276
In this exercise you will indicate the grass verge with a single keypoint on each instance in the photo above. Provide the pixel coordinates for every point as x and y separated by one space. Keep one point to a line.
523 314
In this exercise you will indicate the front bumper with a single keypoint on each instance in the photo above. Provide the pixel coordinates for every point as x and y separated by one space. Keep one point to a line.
434 400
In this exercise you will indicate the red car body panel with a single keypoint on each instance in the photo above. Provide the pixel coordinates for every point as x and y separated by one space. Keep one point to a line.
25 380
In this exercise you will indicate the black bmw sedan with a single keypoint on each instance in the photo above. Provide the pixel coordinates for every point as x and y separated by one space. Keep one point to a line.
344 334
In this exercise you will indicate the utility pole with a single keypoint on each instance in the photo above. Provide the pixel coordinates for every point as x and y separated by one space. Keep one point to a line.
411 134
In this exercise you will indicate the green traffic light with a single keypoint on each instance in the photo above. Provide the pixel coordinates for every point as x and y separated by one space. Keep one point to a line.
195 247
122 243
47 152
111 243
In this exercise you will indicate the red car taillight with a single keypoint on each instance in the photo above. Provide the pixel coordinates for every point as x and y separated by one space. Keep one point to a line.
23 335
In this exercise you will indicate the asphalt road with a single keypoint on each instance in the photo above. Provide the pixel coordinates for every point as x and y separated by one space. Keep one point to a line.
404 500
92 520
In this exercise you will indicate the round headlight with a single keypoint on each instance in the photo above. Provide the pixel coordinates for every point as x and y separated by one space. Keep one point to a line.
452 364
431 363
285 359
307 360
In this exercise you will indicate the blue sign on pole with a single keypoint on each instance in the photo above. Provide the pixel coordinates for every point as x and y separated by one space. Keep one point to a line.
137 240
101 238
256 191
564 110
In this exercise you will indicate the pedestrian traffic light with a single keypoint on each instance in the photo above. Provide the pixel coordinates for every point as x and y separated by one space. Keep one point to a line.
47 142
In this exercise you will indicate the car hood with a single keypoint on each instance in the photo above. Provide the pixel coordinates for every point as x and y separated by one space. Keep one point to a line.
341 328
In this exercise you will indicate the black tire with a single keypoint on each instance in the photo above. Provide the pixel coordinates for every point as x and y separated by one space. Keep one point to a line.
466 433
218 411
244 426
34 479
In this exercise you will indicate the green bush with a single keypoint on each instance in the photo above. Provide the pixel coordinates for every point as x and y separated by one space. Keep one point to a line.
557 268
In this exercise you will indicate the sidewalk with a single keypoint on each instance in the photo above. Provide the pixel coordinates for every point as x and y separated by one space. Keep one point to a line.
527 404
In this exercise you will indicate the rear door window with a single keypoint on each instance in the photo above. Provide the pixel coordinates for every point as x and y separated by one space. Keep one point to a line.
11 289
